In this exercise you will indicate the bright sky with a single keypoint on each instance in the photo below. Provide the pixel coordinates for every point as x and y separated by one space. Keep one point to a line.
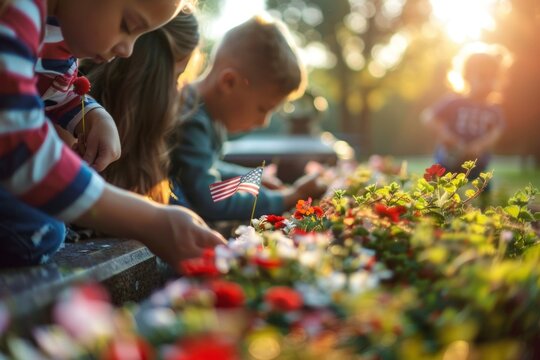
234 12
463 21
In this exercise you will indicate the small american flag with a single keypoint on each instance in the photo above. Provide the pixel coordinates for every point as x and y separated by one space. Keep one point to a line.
249 183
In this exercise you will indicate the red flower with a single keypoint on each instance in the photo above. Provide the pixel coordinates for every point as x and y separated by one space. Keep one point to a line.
273 219
268 263
433 172
301 232
81 86
93 292
202 266
298 215
228 294
391 212
280 225
283 298
318 211
204 348
370 263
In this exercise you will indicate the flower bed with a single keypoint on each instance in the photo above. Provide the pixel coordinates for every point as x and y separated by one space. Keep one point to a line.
388 267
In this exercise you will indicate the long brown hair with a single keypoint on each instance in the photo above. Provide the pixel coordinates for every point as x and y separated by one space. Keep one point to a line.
140 93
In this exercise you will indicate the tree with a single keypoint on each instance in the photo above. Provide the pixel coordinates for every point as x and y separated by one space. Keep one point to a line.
519 31
368 45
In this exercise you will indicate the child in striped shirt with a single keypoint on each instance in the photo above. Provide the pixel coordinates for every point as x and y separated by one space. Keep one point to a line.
41 179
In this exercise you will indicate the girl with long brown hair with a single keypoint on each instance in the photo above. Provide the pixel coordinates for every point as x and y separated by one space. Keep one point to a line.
140 92
43 183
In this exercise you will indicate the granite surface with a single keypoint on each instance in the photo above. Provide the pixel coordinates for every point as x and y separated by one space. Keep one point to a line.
126 267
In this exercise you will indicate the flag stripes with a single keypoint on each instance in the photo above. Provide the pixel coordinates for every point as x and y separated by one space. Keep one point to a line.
248 183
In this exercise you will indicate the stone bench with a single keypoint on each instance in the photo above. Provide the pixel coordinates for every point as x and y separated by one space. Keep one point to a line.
126 268
290 152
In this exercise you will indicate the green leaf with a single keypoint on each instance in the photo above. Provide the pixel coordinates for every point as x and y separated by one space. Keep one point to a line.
526 215
512 210
537 216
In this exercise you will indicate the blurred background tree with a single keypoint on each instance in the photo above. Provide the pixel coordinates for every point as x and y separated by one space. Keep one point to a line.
381 62
362 53
519 30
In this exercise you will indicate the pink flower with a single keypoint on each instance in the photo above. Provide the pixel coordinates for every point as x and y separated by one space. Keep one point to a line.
85 313
128 348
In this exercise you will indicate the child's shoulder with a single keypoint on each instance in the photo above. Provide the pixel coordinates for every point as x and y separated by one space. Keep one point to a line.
448 101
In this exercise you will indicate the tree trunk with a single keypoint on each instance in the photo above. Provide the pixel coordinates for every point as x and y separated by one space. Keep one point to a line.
364 126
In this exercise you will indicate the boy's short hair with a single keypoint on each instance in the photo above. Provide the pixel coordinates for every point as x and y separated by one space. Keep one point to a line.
477 59
261 49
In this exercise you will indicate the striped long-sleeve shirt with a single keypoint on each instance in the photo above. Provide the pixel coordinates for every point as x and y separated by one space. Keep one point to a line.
57 70
35 165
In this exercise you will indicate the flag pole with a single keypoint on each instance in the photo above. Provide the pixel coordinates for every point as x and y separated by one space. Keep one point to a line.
256 197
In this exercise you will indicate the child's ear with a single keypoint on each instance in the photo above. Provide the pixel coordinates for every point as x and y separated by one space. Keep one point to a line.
229 80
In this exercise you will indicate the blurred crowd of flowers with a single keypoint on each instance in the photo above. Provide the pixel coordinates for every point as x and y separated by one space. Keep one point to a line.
387 266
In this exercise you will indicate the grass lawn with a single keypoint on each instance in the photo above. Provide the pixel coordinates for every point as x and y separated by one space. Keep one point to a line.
508 174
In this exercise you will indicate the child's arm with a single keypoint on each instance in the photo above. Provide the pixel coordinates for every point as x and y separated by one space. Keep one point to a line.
171 232
37 168
193 161
486 142
99 145
303 188
57 70
440 129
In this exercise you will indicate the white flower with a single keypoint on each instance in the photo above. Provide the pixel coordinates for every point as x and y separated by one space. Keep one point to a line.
160 317
312 295
362 281
310 259
333 282
286 251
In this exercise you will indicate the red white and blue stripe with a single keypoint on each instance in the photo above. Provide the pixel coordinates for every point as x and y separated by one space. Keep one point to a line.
35 165
249 183
57 69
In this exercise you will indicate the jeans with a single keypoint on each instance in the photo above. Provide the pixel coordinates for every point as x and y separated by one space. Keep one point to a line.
27 235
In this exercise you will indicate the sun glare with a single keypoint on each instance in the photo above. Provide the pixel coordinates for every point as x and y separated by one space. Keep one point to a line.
465 20
232 13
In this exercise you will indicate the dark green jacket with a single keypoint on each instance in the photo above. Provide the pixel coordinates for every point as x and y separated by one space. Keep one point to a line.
196 162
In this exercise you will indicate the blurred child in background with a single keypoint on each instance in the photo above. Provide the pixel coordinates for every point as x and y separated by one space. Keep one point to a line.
468 122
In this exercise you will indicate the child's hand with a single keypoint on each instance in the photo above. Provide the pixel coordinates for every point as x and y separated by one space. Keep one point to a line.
269 178
183 235
102 143
171 232
303 188
272 182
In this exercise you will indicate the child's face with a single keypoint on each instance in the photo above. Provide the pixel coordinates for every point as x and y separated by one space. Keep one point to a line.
104 29
481 86
250 108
